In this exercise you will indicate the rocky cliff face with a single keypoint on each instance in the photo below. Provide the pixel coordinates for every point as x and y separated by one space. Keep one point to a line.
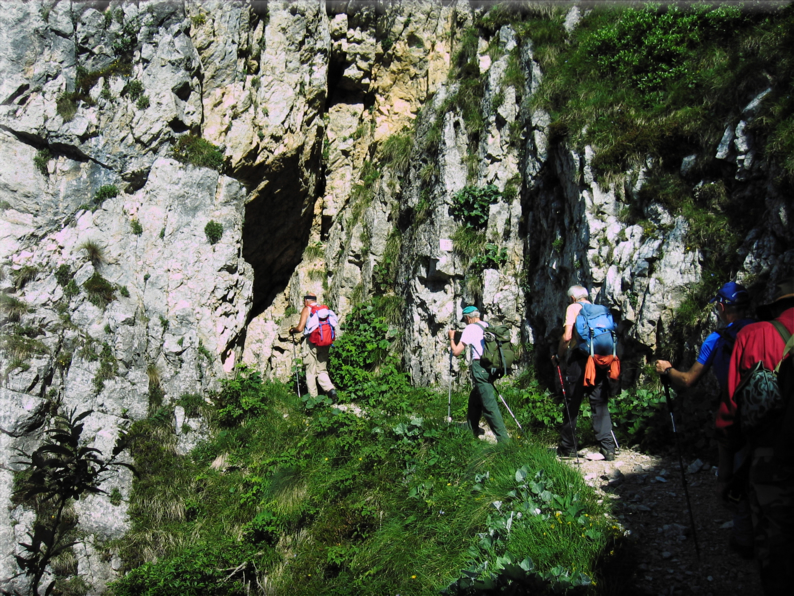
118 298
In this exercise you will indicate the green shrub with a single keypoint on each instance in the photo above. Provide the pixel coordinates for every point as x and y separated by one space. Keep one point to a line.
241 398
136 226
214 231
143 102
194 150
100 291
134 89
63 274
471 205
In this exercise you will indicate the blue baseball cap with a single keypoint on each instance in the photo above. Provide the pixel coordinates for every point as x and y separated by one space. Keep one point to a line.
470 309
731 293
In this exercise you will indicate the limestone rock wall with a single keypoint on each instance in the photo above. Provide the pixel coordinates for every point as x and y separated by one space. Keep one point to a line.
300 97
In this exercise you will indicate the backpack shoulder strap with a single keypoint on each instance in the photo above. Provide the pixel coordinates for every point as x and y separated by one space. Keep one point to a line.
788 339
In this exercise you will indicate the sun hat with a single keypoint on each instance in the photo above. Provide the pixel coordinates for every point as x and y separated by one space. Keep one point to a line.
784 293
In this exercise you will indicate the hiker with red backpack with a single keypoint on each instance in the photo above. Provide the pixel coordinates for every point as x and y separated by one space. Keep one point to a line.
587 352
760 408
318 324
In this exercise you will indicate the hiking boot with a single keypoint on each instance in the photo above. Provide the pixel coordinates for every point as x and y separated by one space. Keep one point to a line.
608 454
478 432
563 453
332 395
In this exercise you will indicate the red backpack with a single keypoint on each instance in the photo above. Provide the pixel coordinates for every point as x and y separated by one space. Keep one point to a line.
324 318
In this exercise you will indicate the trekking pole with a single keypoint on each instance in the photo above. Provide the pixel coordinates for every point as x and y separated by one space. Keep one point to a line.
511 413
614 438
567 409
666 383
449 397
295 364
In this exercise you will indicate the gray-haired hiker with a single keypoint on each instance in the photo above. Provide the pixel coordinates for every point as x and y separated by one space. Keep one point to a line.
318 324
482 399
574 362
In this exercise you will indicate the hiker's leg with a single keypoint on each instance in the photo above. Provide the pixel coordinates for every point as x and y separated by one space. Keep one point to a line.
574 390
602 421
310 357
490 406
771 492
322 368
474 410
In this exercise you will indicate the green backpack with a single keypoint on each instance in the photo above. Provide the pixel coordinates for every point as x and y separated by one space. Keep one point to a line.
759 395
498 354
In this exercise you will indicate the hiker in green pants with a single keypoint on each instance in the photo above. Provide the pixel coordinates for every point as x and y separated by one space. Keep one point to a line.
482 399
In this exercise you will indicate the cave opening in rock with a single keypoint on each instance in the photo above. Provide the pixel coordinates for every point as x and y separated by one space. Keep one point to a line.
278 220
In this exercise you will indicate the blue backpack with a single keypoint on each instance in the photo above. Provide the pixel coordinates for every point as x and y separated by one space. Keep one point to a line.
720 357
595 329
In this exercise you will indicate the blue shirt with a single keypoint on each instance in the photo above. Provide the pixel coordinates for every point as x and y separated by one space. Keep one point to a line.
716 351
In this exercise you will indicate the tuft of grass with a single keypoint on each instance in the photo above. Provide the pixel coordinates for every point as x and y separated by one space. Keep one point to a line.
41 161
136 227
397 150
94 252
13 308
193 150
23 275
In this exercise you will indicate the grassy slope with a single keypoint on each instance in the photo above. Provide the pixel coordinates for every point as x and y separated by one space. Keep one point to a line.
330 502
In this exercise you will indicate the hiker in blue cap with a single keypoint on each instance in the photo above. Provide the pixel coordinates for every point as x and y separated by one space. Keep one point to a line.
482 399
731 304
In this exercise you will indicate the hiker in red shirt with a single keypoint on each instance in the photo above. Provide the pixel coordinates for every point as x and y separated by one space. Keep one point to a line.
770 478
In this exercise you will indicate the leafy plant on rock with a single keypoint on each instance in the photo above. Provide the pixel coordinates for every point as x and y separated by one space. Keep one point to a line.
61 470
471 205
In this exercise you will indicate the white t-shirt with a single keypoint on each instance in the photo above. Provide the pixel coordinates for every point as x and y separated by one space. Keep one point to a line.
473 336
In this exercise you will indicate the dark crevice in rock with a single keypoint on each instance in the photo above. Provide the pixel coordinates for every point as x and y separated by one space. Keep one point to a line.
278 221
21 92
178 126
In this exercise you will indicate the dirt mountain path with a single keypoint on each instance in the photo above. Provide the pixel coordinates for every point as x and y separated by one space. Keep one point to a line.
647 495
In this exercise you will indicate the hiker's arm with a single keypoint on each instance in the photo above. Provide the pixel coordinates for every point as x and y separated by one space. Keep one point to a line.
678 378
302 323
457 348
565 340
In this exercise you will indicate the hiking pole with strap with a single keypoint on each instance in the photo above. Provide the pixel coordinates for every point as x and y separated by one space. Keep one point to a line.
295 364
449 396
666 384
567 409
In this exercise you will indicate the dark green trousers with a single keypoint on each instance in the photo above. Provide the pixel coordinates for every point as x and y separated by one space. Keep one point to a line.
482 402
